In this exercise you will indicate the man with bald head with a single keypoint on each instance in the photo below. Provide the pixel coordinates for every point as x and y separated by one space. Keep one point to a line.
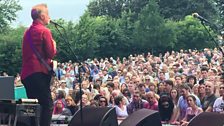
35 69
210 97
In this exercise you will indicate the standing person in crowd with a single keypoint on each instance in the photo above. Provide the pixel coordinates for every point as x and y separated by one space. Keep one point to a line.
127 94
219 102
195 89
178 81
204 73
120 107
35 75
103 102
152 101
192 80
161 88
168 85
166 107
182 102
210 97
192 110
201 91
174 95
137 103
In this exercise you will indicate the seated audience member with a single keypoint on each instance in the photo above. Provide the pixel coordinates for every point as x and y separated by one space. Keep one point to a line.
71 105
166 107
85 100
63 87
192 111
152 101
59 108
60 96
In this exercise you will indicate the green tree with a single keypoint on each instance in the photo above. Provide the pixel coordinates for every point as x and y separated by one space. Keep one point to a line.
115 8
111 8
151 31
8 9
191 34
99 37
65 40
220 6
10 50
178 9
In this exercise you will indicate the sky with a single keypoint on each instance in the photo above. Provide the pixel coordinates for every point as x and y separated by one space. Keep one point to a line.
69 10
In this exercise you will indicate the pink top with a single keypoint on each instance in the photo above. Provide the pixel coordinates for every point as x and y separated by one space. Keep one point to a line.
153 106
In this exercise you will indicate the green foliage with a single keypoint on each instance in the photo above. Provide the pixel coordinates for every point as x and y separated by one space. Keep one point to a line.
102 33
178 9
8 9
191 34
220 8
98 37
111 8
115 8
151 31
10 50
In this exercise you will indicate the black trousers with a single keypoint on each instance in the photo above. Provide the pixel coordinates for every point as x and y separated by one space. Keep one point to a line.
37 86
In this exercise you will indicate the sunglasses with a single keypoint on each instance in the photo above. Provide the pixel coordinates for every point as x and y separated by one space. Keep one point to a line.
221 88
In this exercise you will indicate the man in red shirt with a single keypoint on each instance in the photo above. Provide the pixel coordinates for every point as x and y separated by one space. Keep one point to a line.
34 74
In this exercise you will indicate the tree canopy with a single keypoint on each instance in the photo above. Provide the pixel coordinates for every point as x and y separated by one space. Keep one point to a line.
8 9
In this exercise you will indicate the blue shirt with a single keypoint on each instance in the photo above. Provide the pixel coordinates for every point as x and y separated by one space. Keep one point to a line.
182 104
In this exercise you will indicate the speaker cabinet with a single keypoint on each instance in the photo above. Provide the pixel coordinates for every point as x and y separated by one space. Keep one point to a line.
208 119
143 117
95 117
7 88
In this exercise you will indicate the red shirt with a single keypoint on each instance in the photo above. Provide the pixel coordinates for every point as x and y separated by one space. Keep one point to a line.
43 42
153 106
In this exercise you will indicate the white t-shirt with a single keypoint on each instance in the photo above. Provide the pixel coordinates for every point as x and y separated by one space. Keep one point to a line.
120 112
219 103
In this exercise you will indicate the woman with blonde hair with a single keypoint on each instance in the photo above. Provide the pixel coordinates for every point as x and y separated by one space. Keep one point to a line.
71 105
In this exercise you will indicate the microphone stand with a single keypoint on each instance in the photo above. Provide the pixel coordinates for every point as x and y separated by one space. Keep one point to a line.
213 40
79 69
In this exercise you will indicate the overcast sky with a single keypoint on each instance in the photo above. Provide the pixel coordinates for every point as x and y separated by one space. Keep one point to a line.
65 9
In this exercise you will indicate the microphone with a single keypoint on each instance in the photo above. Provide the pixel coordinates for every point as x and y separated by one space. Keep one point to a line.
196 15
54 23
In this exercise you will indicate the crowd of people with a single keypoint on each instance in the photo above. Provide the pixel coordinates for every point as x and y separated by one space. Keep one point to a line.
180 85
